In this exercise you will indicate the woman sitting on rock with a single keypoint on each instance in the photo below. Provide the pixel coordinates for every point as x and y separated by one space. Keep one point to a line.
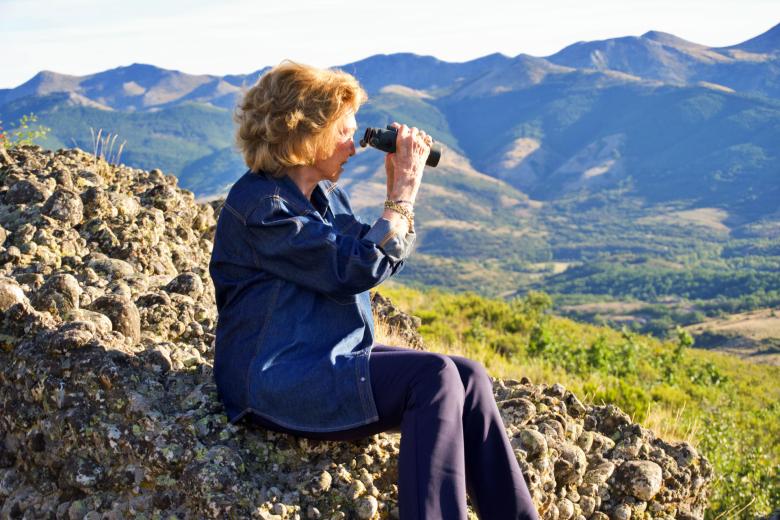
292 267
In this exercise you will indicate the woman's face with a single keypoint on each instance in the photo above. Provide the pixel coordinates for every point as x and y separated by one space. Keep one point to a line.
331 167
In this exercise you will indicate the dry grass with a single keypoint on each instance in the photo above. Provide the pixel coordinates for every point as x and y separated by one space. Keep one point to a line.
711 218
757 325
103 146
669 425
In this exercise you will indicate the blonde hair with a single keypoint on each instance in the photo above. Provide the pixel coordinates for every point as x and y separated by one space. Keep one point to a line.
288 118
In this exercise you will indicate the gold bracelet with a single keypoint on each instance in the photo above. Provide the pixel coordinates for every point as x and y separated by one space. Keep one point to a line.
409 215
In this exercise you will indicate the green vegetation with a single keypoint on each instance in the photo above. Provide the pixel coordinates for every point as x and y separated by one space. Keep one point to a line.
728 408
23 132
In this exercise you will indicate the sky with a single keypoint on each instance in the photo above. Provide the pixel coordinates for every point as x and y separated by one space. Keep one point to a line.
221 37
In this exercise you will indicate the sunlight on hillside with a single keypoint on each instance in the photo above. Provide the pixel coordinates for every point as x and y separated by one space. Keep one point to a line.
729 409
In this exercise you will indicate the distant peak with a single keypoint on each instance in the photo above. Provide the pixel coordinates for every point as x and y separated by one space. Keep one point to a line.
657 35
768 41
141 66
668 39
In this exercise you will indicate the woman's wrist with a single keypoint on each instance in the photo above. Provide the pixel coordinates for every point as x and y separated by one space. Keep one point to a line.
403 208
397 221
402 195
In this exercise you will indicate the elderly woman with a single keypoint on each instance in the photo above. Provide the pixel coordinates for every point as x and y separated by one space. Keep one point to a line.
292 267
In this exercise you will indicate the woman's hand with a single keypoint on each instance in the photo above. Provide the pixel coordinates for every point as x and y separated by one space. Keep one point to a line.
405 167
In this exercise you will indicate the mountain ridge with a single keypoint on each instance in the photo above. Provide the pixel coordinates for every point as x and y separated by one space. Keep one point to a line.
624 147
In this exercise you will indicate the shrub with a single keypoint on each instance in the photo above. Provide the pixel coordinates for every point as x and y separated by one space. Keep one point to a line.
23 132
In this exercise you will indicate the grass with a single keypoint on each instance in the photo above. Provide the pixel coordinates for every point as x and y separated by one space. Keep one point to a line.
728 408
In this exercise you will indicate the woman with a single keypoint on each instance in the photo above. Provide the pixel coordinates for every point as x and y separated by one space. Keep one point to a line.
292 267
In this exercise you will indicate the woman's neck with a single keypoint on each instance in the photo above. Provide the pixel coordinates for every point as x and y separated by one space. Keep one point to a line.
305 177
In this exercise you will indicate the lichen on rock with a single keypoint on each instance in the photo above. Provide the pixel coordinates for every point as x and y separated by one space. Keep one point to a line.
108 407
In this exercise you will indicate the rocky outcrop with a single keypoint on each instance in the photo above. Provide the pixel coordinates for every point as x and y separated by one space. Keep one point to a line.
108 408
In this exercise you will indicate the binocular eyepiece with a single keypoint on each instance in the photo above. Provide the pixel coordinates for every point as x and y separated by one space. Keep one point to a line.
385 140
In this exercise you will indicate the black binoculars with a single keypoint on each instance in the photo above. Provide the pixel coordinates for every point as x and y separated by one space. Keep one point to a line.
385 140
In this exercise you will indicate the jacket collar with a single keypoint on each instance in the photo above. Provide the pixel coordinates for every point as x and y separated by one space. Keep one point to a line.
319 196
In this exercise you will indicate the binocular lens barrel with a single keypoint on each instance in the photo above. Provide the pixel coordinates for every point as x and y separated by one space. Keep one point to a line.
385 140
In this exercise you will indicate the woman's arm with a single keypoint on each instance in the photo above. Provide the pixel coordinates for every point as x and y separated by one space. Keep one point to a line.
305 250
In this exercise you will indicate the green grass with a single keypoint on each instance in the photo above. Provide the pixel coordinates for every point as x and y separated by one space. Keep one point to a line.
728 408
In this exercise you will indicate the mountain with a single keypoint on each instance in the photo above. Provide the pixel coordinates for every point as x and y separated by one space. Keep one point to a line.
752 67
419 72
649 152
137 87
765 43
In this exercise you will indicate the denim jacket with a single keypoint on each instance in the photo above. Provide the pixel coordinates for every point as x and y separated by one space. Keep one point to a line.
295 327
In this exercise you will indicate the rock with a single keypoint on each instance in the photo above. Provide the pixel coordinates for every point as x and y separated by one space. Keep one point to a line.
523 410
571 464
58 295
399 323
74 334
621 512
356 490
95 202
642 479
10 294
533 443
598 474
587 505
321 484
81 472
101 323
565 509
188 284
573 405
366 507
64 205
25 192
113 268
123 315
5 159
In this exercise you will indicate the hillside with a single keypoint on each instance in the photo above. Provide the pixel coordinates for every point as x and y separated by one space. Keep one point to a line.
728 408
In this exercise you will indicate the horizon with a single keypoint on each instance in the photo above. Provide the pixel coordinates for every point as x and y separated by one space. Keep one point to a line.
83 37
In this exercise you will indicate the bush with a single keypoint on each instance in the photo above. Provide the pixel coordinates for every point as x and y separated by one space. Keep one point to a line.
24 132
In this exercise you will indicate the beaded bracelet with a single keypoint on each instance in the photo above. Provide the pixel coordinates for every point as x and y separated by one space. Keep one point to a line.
398 208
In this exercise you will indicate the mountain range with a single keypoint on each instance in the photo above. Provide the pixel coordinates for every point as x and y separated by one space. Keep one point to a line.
640 145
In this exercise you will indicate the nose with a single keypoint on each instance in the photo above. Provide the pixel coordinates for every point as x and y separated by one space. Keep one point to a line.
351 147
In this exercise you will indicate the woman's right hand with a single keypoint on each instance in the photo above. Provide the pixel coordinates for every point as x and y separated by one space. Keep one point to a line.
405 166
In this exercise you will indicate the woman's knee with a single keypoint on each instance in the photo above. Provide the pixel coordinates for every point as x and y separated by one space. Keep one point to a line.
473 375
439 375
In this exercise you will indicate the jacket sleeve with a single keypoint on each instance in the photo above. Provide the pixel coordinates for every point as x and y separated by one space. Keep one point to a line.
310 252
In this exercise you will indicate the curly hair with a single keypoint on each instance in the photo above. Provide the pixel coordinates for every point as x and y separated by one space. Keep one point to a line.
287 118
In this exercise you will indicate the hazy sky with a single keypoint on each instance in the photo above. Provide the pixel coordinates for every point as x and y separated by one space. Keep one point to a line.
239 36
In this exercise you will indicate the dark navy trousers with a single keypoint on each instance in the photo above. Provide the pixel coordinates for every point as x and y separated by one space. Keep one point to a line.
452 437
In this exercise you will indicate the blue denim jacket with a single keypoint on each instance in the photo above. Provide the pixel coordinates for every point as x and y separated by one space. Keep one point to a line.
295 327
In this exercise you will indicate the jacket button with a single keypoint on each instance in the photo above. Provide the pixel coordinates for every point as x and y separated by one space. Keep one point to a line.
362 378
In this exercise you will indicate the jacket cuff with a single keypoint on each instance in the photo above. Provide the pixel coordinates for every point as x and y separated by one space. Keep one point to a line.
396 245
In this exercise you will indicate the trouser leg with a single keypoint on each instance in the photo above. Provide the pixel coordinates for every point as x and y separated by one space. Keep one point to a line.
421 393
495 482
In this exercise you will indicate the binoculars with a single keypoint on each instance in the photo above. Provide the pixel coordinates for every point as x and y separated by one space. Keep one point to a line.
385 140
